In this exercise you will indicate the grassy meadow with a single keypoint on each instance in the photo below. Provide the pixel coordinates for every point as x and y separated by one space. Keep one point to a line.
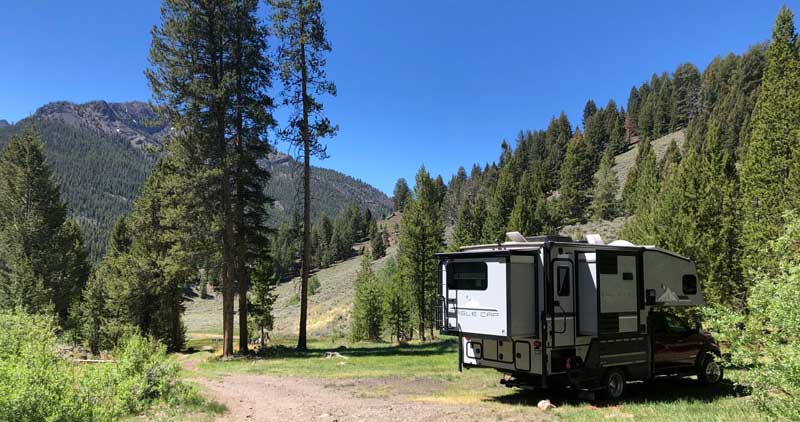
427 372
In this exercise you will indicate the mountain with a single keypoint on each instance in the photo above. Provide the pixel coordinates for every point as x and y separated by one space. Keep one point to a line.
100 156
4 123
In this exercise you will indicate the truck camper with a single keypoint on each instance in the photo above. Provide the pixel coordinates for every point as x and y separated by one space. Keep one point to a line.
551 312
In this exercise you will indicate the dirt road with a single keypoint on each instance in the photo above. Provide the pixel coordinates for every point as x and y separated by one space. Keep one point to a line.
267 398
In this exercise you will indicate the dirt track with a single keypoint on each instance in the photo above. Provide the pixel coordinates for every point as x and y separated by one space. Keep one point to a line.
267 398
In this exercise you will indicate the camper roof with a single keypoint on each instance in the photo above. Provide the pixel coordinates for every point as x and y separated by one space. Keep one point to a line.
518 242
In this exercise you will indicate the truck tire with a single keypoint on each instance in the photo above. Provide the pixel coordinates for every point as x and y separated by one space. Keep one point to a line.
614 384
710 371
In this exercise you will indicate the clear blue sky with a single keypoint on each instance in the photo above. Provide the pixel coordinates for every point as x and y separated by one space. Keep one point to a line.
439 82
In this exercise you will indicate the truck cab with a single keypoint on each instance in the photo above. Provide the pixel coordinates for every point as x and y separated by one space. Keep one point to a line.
680 348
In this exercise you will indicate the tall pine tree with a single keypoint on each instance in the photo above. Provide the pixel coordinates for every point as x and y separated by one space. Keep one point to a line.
768 154
300 28
421 236
43 264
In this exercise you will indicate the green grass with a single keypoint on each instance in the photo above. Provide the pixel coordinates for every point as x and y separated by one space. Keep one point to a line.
428 372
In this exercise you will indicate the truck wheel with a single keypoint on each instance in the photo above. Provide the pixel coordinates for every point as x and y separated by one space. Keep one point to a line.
710 371
614 384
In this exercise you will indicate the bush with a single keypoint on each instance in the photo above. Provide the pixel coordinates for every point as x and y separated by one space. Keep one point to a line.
37 384
767 337
313 285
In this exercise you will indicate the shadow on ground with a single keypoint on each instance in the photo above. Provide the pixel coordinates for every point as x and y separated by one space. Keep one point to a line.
660 390
417 349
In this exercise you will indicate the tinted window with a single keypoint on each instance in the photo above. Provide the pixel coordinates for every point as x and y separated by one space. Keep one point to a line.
606 262
467 276
563 281
689 284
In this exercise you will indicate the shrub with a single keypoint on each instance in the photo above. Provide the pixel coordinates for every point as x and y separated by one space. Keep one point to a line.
767 336
313 285
37 384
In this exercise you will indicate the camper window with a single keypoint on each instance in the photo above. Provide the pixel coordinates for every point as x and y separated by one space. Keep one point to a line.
467 275
563 281
689 284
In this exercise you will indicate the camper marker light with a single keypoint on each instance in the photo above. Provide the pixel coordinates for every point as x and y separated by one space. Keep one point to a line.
537 344
466 338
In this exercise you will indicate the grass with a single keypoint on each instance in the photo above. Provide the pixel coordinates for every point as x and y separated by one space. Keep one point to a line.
428 372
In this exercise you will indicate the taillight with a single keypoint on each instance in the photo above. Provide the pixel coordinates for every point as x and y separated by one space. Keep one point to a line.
537 344
466 338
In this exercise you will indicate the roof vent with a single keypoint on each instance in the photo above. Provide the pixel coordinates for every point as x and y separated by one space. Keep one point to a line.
516 237
621 243
594 239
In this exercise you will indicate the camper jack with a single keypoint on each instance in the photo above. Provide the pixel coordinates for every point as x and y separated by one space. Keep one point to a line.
551 312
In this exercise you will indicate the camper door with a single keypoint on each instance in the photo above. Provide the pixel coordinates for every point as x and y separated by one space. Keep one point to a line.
475 292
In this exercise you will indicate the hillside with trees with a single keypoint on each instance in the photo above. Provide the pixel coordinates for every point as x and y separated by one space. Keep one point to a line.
101 153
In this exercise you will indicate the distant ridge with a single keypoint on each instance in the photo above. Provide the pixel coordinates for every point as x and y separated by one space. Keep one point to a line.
99 158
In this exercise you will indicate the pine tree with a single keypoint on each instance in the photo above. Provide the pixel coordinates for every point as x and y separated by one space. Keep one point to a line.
639 197
220 117
671 159
401 193
367 320
300 29
768 157
501 203
526 216
588 111
576 180
149 265
376 241
421 236
469 225
43 265
685 95
604 197
261 299
397 306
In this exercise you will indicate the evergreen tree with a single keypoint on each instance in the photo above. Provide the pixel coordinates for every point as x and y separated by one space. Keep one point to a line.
220 117
632 117
149 266
43 265
376 241
300 29
501 203
671 159
640 197
604 197
526 216
367 321
576 180
469 225
588 111
421 236
401 194
685 95
397 304
261 299
768 159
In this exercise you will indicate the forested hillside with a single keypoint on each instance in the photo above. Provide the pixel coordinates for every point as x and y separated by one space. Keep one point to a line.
101 154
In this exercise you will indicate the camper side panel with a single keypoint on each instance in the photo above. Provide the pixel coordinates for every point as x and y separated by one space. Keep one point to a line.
670 280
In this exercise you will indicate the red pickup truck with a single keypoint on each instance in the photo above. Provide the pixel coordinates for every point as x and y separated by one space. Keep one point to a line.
680 349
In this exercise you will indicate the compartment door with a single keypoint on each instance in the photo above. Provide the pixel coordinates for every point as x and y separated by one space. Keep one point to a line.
563 309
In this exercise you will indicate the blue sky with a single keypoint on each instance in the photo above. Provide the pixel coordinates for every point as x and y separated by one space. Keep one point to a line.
434 82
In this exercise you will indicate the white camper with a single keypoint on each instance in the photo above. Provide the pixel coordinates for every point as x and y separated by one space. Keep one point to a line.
553 312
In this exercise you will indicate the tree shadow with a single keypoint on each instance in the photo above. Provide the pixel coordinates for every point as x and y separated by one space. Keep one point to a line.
659 390
439 347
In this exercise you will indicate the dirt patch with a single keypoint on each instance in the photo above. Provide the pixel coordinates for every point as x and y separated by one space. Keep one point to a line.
269 398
